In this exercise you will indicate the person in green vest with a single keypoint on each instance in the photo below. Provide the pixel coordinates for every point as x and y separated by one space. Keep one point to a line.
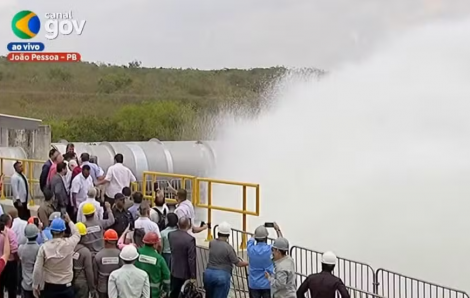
154 264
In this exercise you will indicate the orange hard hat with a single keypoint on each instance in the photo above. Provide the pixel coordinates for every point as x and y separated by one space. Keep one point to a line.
31 219
110 235
151 238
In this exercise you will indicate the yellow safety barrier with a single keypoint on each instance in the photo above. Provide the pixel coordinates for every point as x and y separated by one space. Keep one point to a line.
33 168
28 170
209 206
154 178
134 186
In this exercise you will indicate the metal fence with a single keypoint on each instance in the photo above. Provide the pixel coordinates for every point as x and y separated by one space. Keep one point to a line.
395 285
354 274
353 292
360 278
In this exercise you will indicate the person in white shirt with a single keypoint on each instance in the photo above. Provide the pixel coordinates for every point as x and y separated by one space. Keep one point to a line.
118 177
17 225
144 222
96 172
91 199
186 209
71 165
129 281
21 191
159 212
80 186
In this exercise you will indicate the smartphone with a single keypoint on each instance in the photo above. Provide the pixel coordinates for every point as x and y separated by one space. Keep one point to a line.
36 221
202 224
269 224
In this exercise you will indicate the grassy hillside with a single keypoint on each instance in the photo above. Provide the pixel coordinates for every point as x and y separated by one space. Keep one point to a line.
90 102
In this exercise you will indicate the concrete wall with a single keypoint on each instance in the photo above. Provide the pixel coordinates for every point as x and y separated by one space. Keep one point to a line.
36 143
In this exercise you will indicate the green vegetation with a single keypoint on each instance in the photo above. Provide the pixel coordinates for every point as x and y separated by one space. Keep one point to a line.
90 102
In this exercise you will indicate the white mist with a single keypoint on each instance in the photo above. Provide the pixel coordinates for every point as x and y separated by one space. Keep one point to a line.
372 161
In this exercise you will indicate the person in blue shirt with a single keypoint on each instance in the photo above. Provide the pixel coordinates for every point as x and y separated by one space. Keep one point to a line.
260 261
44 234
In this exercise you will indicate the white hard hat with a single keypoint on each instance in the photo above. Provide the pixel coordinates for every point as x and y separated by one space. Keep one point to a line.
261 232
225 228
281 243
329 258
129 253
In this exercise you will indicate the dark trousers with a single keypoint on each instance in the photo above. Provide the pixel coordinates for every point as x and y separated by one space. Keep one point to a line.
102 295
23 211
176 285
19 278
167 258
57 291
260 293
8 279
26 294
71 212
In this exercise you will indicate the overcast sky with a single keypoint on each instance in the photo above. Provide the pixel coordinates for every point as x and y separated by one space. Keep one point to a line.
209 34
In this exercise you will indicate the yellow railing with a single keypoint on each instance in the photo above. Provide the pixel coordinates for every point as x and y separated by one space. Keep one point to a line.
244 211
32 168
166 176
195 182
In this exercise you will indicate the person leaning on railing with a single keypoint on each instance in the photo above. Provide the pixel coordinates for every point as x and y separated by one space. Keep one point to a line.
222 257
259 256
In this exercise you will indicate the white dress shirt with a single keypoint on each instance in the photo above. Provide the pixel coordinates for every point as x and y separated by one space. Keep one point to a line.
129 282
118 176
185 209
146 224
98 213
18 225
19 187
80 187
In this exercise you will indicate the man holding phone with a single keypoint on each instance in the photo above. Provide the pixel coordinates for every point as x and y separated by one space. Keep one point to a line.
260 261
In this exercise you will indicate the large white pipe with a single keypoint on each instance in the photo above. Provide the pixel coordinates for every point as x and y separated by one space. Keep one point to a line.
182 157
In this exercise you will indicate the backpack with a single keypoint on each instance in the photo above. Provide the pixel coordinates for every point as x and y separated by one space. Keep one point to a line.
190 290
161 218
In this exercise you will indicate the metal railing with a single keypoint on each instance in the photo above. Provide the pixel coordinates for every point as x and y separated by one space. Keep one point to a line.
396 285
360 278
239 283
152 179
243 211
354 274
353 292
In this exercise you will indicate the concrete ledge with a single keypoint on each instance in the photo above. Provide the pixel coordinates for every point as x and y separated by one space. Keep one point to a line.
7 205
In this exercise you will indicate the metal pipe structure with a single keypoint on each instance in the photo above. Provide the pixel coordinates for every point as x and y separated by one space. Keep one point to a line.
195 158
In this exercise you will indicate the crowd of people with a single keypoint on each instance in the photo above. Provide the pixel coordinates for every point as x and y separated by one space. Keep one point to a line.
86 242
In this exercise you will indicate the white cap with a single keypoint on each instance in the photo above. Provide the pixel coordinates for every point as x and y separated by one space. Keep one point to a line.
225 228
129 253
329 258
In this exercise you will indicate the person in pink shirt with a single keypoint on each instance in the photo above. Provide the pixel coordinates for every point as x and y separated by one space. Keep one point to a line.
53 170
9 276
135 239
6 249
